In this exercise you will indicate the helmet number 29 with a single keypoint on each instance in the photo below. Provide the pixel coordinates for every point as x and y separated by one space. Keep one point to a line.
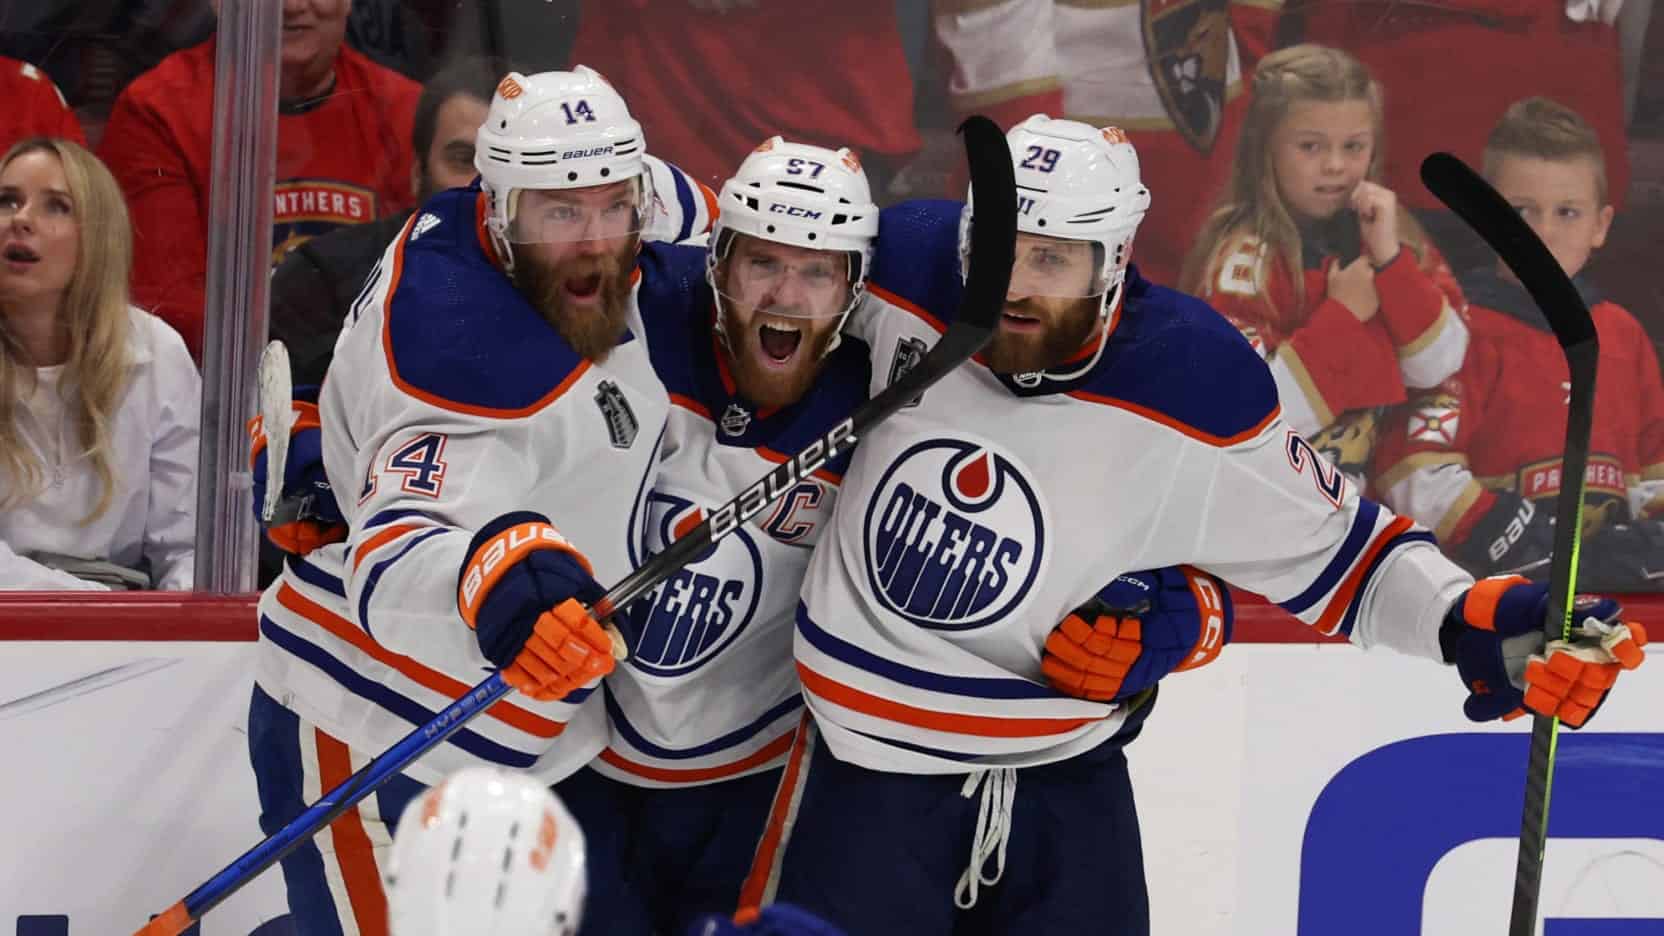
1041 159
581 112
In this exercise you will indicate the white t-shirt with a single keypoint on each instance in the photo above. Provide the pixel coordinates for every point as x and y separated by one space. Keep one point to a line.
153 440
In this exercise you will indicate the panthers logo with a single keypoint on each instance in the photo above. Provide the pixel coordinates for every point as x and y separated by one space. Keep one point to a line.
955 535
1348 441
1187 44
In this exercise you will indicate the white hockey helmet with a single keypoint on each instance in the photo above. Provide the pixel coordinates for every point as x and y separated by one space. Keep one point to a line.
1075 182
488 852
805 196
558 130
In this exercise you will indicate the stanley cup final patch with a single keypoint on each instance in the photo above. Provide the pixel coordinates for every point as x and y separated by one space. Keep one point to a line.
1187 45
622 424
909 351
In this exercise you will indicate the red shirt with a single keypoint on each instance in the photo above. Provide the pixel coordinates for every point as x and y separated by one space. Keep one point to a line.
345 160
1500 423
709 87
34 106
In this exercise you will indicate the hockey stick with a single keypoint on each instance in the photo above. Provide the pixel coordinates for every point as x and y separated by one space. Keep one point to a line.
1501 226
277 416
993 249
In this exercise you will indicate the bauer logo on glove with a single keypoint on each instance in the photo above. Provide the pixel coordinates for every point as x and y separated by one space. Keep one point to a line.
1494 635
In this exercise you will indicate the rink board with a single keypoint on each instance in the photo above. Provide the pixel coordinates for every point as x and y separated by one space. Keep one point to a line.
1287 788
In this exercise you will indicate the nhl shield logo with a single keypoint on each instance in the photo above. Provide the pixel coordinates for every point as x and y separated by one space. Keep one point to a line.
622 425
735 420
1187 45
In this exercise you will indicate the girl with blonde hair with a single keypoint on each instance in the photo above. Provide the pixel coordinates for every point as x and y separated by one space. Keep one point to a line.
99 400
1318 264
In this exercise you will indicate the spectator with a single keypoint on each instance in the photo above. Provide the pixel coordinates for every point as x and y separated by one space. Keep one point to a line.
1318 265
1478 460
709 78
316 282
98 399
34 106
341 155
1173 82
1453 67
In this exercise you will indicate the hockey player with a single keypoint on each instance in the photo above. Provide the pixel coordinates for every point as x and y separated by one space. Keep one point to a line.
702 714
492 852
1478 459
1317 264
970 524
489 418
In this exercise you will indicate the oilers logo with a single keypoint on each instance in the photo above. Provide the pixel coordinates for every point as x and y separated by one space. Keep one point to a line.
955 535
698 612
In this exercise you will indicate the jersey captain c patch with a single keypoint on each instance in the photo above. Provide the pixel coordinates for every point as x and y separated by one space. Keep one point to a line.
954 535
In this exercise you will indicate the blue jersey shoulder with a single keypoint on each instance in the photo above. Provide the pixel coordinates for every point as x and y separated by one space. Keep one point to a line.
1173 355
459 334
917 257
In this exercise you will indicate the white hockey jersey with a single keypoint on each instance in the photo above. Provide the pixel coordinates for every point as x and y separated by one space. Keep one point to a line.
450 401
971 523
710 693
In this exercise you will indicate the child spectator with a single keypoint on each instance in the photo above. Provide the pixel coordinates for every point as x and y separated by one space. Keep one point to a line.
98 400
343 154
1318 265
1478 460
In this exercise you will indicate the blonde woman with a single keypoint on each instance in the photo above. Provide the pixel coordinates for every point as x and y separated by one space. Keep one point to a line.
99 400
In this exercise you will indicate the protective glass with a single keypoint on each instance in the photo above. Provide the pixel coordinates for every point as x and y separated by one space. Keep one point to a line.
809 285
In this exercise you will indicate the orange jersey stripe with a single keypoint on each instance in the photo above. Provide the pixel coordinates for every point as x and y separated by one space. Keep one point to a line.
353 852
954 722
513 716
907 305
690 404
1343 597
700 774
381 539
1182 427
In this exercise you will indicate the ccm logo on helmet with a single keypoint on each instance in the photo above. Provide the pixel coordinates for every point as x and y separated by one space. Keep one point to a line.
795 212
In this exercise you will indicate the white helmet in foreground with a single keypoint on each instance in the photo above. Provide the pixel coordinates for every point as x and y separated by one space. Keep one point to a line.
1075 182
559 130
806 196
488 852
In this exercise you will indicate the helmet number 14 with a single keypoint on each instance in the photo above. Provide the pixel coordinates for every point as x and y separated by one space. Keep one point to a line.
581 112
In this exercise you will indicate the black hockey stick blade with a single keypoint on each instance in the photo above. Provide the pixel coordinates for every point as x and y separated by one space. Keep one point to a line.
1490 215
993 249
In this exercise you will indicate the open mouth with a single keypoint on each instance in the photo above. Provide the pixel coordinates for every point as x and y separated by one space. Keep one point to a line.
779 342
1332 191
1018 321
17 253
584 287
